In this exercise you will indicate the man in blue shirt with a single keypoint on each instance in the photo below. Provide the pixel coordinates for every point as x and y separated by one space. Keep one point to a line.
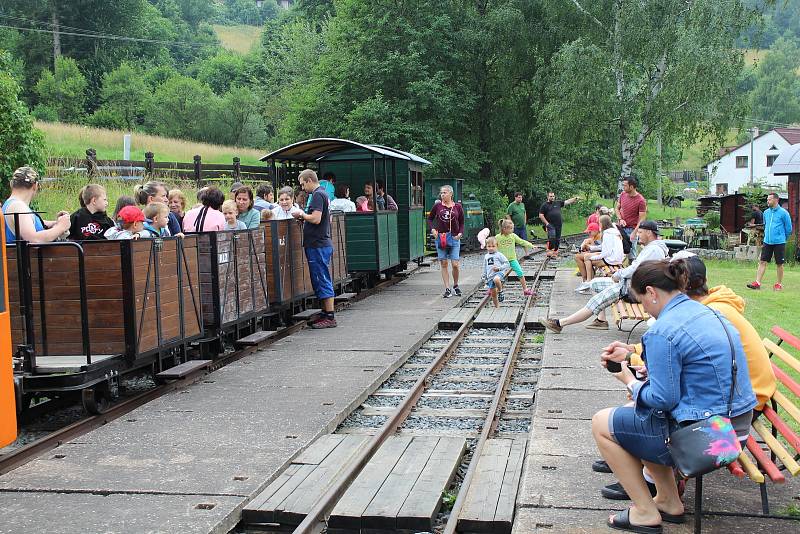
777 228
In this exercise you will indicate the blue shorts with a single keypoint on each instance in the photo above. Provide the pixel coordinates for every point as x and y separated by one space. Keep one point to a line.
319 261
522 232
644 436
451 251
490 281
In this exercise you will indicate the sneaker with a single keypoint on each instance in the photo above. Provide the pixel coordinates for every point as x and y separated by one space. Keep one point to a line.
600 466
457 291
325 322
616 492
597 324
586 291
552 324
777 287
584 286
528 292
447 293
501 296
754 285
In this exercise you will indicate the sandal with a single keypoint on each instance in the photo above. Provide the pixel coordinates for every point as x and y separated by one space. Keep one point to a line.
675 519
622 521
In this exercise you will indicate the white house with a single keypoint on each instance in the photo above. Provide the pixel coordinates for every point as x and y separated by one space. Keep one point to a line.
732 169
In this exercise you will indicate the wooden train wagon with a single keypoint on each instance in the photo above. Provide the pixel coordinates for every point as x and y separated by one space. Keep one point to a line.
233 278
384 242
288 278
86 312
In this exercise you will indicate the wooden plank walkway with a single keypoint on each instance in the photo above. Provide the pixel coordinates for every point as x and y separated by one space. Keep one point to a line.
401 487
255 338
503 317
536 316
455 318
492 496
292 495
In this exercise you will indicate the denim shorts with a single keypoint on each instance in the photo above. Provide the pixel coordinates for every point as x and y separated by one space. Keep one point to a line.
490 281
644 436
449 252
319 261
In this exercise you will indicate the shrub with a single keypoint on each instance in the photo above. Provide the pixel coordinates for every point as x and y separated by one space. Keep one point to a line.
64 90
45 113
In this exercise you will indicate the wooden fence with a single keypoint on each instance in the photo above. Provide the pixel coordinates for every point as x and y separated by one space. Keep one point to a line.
197 171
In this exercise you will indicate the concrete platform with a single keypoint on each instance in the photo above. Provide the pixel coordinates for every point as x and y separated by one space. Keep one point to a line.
222 440
559 492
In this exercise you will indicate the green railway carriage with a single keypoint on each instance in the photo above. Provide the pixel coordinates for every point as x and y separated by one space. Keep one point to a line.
379 242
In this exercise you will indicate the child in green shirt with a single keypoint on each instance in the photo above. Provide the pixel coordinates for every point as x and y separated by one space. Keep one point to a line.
507 242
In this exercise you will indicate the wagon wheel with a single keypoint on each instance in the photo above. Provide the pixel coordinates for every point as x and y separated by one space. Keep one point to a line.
95 400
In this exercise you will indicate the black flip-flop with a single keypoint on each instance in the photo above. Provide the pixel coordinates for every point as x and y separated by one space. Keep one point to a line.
622 521
677 519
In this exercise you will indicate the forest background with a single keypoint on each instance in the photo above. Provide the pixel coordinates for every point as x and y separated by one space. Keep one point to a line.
510 94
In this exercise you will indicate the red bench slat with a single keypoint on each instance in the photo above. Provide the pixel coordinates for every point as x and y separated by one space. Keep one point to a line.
786 336
736 470
786 380
767 465
783 428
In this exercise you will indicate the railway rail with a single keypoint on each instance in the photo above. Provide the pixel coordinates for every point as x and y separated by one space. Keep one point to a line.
480 387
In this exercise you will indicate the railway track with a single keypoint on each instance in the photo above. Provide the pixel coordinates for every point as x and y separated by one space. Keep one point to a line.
430 428
20 456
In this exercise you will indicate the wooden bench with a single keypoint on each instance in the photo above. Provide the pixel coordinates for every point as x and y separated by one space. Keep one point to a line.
761 464
622 311
606 270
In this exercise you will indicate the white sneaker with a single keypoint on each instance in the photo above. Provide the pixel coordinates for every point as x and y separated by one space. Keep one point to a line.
583 287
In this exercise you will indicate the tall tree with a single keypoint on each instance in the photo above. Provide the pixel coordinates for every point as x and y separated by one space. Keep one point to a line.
64 90
20 143
669 66
125 97
776 95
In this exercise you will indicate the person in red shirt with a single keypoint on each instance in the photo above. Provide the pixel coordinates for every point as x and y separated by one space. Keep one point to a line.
446 221
631 209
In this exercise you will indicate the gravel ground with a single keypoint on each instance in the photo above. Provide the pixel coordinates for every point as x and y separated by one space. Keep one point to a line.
443 423
384 400
420 359
525 373
465 360
439 384
454 403
514 425
359 420
448 371
519 405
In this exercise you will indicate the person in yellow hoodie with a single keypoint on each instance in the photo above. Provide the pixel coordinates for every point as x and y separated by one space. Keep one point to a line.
731 306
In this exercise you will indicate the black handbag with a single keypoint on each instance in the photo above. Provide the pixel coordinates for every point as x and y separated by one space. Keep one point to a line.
706 445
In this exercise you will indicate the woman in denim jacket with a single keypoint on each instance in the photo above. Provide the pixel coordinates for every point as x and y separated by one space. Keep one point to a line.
688 360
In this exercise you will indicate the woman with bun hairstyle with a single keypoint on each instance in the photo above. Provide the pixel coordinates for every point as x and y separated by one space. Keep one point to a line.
688 359
157 192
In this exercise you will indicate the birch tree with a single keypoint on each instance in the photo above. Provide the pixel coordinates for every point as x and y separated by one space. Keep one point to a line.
646 66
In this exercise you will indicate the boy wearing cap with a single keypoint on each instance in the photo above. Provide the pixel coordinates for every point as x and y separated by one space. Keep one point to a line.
130 221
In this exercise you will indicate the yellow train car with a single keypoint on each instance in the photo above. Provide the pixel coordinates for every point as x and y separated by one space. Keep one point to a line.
8 407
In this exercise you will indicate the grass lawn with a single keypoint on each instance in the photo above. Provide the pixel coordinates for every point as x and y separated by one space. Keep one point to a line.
239 38
575 223
70 141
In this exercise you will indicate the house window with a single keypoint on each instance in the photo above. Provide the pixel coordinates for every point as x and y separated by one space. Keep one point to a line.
722 189
741 162
771 159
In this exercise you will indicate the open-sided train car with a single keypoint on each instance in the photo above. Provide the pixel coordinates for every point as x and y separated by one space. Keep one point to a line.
377 242
85 313
233 284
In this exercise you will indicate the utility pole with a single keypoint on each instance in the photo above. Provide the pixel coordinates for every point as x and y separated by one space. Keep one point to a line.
660 198
752 138
56 38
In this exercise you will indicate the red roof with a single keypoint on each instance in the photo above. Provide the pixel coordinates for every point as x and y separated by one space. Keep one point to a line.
792 135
